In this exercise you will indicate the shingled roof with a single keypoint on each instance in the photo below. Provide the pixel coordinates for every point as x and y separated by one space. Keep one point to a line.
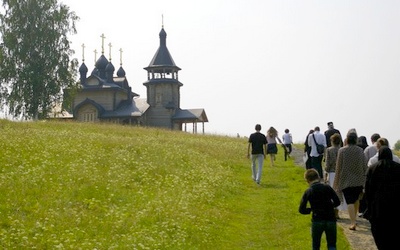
162 58
191 115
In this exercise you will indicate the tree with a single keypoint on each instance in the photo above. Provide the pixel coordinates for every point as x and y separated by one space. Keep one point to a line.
397 145
35 55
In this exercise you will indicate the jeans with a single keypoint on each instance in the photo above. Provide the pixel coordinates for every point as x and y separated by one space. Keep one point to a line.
257 172
317 228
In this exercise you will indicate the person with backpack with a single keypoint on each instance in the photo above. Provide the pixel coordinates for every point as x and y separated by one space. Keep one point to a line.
315 140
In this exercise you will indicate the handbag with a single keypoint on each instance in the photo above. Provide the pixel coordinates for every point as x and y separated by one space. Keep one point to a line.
320 147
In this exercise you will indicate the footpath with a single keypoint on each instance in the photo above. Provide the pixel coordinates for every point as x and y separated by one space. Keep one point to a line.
360 239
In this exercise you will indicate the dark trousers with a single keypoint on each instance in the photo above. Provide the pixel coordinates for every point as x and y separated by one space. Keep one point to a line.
316 163
289 147
363 205
385 237
288 150
318 228
308 162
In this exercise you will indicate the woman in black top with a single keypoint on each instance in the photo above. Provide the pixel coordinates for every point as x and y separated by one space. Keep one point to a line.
382 190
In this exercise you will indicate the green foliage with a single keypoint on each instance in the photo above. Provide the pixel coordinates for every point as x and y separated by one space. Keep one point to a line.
35 55
397 145
101 186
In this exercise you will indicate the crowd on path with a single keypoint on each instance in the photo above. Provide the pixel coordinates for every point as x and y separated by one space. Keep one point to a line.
343 175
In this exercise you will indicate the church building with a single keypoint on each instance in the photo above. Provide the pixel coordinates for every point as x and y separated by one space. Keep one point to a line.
105 97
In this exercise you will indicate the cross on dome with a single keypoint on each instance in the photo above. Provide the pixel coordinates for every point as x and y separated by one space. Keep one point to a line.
102 43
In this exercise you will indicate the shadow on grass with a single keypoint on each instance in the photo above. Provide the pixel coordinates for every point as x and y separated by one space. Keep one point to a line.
272 185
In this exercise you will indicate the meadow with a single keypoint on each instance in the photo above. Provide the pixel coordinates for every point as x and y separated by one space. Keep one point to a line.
103 186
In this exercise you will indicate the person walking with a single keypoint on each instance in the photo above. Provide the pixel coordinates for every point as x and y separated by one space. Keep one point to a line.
287 143
316 158
372 149
329 132
322 199
380 143
272 149
330 164
362 142
351 167
257 148
307 150
382 189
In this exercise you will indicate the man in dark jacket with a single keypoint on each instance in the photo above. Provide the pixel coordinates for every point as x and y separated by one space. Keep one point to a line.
328 133
323 200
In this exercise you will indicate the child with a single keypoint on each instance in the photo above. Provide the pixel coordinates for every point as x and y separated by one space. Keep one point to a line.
323 200
287 143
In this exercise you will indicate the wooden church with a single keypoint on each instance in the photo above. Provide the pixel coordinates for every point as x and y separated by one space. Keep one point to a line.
105 97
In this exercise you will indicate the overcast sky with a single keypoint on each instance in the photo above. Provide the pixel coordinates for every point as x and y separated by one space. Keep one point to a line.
288 64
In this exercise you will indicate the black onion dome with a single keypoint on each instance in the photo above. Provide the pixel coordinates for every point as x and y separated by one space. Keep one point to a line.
121 72
101 63
110 67
83 69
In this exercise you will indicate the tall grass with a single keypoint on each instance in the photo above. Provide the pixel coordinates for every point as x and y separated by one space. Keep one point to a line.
102 186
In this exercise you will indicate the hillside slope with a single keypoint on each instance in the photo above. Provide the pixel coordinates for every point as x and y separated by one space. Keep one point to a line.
103 186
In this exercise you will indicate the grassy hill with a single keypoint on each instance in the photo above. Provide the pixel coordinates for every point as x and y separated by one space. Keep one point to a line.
102 186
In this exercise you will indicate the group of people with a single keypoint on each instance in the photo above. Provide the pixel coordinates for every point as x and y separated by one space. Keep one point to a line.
354 171
261 145
348 174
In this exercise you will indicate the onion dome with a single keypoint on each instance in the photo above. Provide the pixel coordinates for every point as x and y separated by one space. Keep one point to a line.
121 72
110 71
83 72
110 68
101 63
83 69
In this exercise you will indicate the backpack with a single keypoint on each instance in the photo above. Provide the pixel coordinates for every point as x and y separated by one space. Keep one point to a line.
320 147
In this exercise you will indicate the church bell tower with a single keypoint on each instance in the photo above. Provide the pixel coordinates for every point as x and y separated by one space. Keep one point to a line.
163 86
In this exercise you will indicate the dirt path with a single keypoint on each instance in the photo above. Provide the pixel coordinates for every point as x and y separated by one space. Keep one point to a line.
361 239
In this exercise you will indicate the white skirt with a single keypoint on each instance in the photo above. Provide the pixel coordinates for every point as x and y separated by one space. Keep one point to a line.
343 204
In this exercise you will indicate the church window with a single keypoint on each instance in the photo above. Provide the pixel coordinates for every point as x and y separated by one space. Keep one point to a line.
158 98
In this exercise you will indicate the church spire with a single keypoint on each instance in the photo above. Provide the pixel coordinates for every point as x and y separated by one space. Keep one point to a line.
120 56
110 67
83 69
109 51
121 71
83 52
102 62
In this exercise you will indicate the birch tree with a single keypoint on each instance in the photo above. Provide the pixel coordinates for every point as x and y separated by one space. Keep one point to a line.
35 53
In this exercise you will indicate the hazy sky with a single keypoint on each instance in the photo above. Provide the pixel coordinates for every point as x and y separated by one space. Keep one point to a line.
288 64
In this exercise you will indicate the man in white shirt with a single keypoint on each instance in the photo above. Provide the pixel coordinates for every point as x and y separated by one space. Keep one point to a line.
316 158
381 142
372 150
287 142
